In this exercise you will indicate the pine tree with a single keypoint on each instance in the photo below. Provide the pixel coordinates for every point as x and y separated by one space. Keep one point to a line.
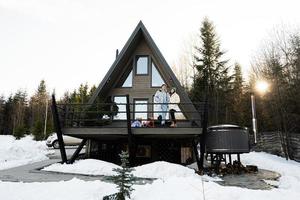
212 73
237 114
8 116
92 90
38 130
2 106
19 111
83 93
38 104
124 179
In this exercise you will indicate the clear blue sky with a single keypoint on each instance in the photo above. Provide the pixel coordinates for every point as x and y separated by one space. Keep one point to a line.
68 42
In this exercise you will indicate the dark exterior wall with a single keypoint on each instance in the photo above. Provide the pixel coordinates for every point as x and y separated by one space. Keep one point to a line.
169 150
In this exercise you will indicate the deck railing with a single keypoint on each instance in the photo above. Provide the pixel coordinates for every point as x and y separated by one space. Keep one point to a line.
120 115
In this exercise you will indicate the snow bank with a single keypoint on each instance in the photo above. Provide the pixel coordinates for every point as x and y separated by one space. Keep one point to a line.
74 189
163 170
14 152
88 167
98 167
173 188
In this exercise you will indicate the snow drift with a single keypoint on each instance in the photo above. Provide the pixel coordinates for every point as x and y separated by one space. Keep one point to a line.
88 167
158 169
14 152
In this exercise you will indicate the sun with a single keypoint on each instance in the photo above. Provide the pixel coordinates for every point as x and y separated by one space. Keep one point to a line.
262 87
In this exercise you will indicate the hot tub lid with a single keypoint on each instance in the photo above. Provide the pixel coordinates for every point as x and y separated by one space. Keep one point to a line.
225 126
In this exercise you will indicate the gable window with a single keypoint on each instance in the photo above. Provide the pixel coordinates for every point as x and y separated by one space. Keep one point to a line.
156 79
141 65
128 81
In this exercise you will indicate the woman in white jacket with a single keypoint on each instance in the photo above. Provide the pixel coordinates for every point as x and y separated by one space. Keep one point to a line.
162 98
173 106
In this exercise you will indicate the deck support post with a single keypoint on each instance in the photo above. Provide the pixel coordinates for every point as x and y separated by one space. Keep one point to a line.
76 153
230 161
204 133
131 145
195 148
58 130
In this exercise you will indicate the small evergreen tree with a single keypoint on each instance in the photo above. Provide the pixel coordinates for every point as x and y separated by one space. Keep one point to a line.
124 179
19 132
38 130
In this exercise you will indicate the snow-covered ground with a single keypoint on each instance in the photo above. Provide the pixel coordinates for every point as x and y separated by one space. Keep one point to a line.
74 189
178 182
87 166
160 169
174 182
15 153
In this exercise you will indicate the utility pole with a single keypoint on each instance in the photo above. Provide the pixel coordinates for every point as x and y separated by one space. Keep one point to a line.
254 122
46 118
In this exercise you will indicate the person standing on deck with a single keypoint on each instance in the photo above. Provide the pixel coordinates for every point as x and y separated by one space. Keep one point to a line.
174 101
162 98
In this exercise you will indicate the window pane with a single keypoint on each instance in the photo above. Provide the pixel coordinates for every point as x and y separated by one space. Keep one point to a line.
157 80
142 65
141 106
128 81
122 108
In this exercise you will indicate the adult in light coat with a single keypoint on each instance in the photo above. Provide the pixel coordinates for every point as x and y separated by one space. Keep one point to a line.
162 98
173 106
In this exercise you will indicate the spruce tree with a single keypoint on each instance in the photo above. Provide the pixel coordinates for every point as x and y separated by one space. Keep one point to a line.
237 114
212 72
83 93
124 179
8 116
38 104
2 105
38 130
20 105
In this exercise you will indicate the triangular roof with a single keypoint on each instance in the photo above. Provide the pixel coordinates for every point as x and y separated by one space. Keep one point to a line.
141 32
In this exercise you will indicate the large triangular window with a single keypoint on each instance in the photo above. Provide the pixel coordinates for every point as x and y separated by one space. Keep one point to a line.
156 79
128 81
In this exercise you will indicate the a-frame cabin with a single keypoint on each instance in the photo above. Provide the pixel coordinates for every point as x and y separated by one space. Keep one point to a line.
125 94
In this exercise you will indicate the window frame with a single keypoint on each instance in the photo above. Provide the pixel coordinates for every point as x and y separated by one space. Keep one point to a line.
135 65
